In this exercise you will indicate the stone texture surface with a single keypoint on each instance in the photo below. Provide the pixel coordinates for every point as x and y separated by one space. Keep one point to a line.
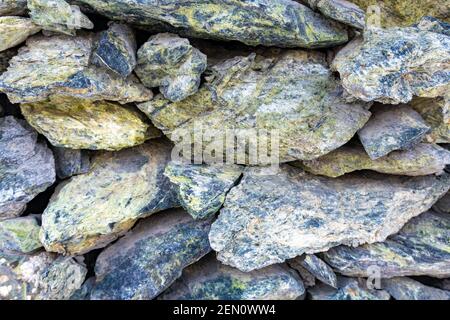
15 30
59 66
420 248
172 64
12 7
27 166
340 10
436 113
70 162
404 288
120 188
149 259
318 268
267 219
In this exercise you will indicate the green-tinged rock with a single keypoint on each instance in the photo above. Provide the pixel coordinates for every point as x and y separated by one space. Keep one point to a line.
348 289
69 162
340 10
282 23
208 279
292 94
12 7
318 268
392 128
172 64
421 160
202 188
58 16
83 124
27 166
422 247
151 257
116 49
15 30
43 276
393 65
403 288
443 204
59 66
267 219
120 188
436 113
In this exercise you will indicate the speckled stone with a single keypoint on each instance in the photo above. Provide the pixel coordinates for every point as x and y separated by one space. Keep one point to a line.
436 113
267 219
420 248
12 7
318 268
151 257
70 162
120 188
15 30
340 10
404 288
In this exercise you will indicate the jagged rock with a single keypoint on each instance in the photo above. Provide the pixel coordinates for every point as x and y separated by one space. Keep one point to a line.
43 276
318 268
421 160
340 10
308 279
172 64
151 257
83 124
116 49
84 293
120 188
59 66
12 7
392 128
271 23
58 16
27 166
443 204
269 218
71 162
208 279
348 289
202 188
15 30
420 248
393 65
5 56
403 288
436 113
293 94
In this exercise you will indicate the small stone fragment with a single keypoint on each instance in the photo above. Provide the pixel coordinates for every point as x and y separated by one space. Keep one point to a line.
120 188
116 49
443 204
15 30
340 10
318 268
403 288
172 64
202 188
309 280
151 257
436 113
70 162
12 7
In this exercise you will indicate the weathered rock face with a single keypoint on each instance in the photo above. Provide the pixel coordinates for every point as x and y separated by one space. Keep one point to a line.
59 66
393 65
12 7
340 10
43 276
392 128
84 124
15 30
436 113
58 16
149 259
27 166
120 188
172 64
318 268
267 219
202 188
208 279
116 49
420 248
282 23
71 162
292 94
403 288
421 160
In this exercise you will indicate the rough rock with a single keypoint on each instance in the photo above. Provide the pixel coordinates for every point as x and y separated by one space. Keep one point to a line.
292 94
393 65
208 279
116 49
436 113
308 279
58 16
172 64
392 128
151 257
267 219
27 166
403 288
12 7
340 10
282 23
120 188
318 268
420 248
59 65
83 124
443 204
423 159
69 162
202 188
15 30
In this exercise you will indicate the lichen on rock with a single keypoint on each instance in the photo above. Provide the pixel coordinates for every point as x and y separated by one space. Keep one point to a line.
15 30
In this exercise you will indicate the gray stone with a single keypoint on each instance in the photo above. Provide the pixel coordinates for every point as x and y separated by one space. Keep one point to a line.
12 7
84 293
403 288
70 162
340 10
15 30
318 268
443 204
